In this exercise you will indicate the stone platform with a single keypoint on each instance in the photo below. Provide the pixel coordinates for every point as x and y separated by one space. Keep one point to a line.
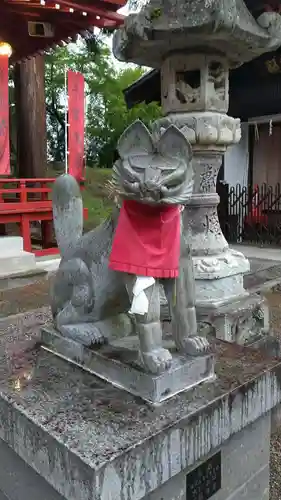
87 440
245 318
263 274
117 363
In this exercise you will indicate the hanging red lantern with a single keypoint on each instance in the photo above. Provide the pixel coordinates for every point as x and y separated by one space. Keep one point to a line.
5 53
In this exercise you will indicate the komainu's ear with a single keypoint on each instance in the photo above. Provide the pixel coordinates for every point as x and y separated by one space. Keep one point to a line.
173 143
135 140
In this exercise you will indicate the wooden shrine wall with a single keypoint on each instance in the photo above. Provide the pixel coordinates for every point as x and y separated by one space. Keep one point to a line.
267 155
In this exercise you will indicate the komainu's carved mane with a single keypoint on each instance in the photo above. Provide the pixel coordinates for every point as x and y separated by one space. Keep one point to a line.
152 171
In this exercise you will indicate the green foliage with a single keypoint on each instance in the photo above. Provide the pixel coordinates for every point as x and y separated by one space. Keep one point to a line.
107 115
95 197
84 57
155 13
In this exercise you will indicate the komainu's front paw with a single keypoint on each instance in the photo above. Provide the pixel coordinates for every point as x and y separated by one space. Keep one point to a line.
194 346
157 361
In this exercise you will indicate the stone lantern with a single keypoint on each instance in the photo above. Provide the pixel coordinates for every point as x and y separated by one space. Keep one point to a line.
195 43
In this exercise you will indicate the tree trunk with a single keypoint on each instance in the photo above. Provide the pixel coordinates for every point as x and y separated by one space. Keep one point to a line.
29 81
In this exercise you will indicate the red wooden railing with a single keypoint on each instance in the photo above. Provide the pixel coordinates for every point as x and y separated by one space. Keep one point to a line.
23 201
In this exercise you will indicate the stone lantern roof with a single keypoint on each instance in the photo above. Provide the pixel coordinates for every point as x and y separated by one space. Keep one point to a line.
227 28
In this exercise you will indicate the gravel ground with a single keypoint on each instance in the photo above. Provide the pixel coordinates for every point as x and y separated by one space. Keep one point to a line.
35 296
30 297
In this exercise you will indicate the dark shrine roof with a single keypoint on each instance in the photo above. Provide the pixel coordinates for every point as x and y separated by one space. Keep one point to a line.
62 19
254 87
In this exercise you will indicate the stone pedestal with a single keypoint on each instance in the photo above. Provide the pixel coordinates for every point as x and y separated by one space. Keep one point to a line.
83 439
118 363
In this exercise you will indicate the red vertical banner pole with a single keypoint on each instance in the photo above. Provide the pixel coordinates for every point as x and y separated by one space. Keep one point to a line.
76 124
5 168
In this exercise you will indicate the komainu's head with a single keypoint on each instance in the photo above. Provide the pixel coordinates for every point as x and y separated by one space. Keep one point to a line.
153 172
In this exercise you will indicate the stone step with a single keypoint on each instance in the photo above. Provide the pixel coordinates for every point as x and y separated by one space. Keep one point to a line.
16 263
13 259
10 245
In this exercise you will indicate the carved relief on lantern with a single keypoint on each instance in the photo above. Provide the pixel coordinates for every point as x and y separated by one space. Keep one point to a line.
194 83
273 65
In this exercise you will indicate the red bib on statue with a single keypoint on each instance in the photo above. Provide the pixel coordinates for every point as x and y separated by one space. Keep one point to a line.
147 240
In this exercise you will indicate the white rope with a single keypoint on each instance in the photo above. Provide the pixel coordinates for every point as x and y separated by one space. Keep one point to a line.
270 127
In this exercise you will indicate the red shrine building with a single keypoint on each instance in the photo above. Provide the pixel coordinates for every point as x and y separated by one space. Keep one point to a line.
28 28
33 26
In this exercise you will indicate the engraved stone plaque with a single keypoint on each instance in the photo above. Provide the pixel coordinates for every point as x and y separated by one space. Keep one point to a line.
204 481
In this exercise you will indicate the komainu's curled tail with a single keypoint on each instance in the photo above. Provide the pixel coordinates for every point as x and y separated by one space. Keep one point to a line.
68 214
87 298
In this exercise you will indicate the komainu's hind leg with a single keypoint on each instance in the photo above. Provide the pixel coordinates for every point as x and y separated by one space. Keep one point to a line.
72 300
155 358
72 294
99 332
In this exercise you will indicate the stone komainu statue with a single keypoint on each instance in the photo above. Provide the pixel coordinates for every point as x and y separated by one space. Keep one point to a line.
109 279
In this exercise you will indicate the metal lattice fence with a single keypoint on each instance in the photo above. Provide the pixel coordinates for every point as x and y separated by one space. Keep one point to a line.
250 214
